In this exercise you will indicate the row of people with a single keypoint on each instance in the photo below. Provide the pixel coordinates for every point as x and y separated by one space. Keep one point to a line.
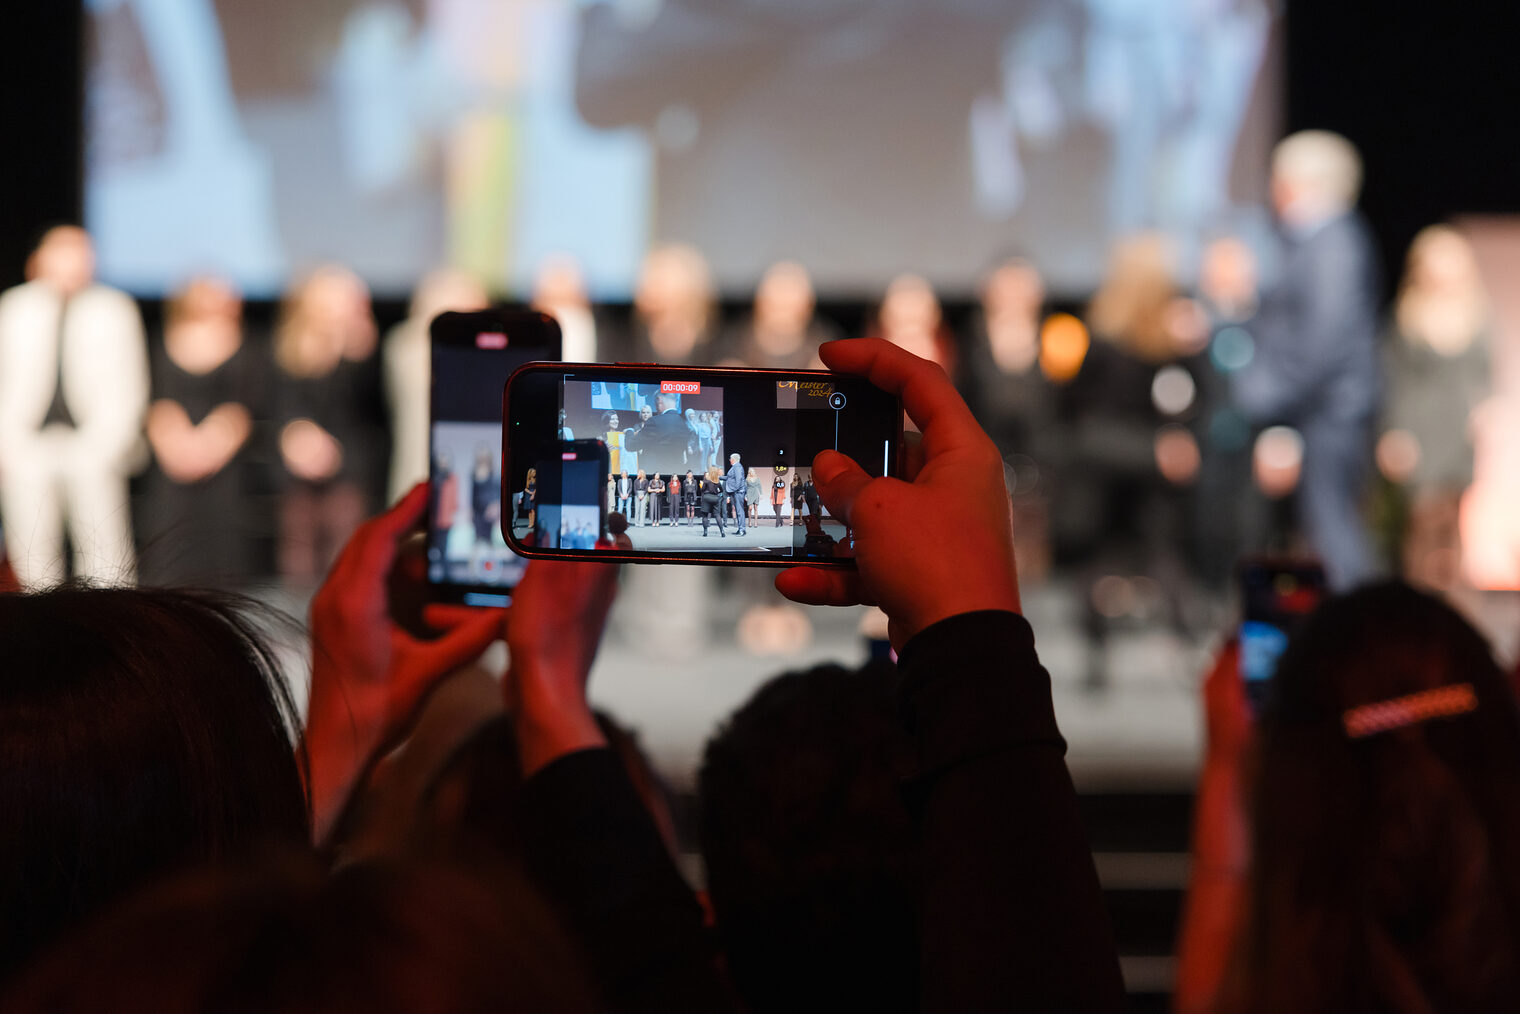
649 499
522 858
1132 433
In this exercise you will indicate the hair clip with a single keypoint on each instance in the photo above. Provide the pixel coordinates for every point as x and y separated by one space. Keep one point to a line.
1399 712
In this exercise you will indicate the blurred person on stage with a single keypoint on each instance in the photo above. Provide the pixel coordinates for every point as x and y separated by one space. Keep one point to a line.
1315 363
1438 373
675 313
657 500
205 395
559 289
783 332
485 513
408 371
74 379
325 334
1124 492
1227 516
752 494
778 497
1014 401
911 318
641 497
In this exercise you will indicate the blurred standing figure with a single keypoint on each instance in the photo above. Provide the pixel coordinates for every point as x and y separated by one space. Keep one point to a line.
782 332
911 318
198 425
752 494
1014 401
1315 366
485 512
1122 498
674 308
559 289
73 393
325 325
408 371
1228 516
1438 374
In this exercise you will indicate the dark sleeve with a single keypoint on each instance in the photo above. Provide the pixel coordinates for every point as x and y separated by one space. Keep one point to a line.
1329 321
1012 915
590 841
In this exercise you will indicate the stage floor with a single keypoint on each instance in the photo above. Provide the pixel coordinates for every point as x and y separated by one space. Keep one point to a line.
685 647
760 536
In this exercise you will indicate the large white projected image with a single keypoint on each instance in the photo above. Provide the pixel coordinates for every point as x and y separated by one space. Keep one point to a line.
260 137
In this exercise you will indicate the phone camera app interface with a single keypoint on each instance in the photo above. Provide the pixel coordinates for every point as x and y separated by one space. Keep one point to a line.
720 466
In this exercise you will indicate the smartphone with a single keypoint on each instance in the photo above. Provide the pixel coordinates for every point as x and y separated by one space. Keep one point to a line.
570 494
473 354
1276 597
681 444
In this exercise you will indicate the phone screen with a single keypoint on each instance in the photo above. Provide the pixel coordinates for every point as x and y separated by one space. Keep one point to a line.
1276 599
707 465
472 356
570 489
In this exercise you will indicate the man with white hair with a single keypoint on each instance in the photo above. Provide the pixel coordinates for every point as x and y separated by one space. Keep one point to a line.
734 485
1315 366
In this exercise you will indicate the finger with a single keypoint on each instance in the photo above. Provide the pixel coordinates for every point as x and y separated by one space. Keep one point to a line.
447 616
927 395
372 548
431 660
839 481
814 586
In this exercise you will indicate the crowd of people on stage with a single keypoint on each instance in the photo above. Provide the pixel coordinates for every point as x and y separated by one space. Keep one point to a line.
656 500
1152 435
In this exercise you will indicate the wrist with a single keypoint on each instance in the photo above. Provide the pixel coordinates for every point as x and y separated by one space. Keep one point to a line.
550 724
913 622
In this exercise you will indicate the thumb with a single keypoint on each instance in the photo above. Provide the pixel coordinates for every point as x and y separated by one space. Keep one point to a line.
839 481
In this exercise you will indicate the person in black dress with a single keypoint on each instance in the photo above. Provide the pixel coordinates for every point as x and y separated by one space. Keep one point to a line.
326 427
713 500
485 510
689 496
204 387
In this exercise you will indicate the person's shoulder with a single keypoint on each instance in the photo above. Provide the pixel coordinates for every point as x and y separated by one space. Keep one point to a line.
18 295
105 297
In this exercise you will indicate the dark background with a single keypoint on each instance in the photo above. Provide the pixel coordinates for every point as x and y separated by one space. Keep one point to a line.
1426 90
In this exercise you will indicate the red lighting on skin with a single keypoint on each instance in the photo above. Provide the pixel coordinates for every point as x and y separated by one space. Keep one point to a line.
490 340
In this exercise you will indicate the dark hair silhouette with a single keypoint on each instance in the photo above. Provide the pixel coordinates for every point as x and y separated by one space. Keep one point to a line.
808 844
141 732
1385 872
286 938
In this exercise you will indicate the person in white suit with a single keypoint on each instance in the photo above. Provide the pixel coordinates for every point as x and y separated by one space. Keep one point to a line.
73 396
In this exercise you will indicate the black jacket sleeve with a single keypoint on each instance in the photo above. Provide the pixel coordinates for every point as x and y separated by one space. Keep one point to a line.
592 844
1012 915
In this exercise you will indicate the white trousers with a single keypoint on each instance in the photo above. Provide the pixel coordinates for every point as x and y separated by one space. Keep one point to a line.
53 478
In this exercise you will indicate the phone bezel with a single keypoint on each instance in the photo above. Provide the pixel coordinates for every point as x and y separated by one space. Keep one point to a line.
714 375
460 330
